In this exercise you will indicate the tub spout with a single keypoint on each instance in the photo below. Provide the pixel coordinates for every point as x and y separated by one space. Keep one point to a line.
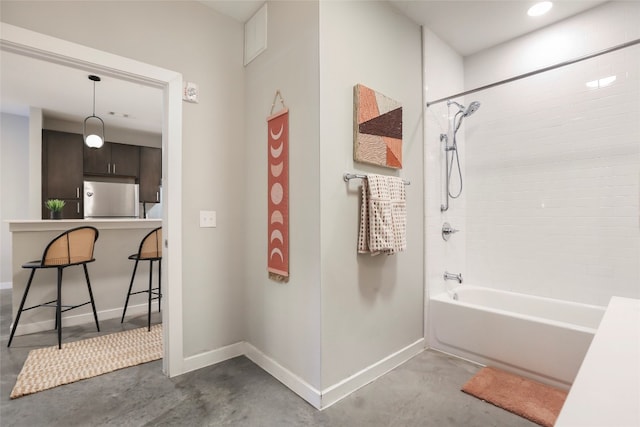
451 276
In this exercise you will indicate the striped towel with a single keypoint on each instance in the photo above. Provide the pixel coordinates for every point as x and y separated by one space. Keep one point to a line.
383 215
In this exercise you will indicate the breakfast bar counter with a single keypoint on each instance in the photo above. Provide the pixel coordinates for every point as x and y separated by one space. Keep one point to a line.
110 274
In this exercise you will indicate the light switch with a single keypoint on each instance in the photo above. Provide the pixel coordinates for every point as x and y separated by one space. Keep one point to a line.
207 219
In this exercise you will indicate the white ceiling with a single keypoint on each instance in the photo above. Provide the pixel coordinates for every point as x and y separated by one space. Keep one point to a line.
240 10
66 93
472 26
467 26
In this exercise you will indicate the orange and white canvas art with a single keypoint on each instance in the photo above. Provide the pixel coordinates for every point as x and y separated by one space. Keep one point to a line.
377 128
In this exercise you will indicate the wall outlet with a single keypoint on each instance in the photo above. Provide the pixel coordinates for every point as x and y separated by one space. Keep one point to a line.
207 219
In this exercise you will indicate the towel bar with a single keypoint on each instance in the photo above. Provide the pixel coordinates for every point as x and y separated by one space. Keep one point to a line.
349 176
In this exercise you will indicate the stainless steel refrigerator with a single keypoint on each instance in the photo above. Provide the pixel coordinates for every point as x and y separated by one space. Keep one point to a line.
110 200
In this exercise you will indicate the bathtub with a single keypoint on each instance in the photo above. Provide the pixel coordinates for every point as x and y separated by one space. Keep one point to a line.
540 338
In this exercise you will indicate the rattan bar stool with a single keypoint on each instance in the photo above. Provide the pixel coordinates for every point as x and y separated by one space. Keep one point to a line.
150 250
73 247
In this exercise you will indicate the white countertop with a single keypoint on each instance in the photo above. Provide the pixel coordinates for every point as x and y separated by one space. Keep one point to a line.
64 224
606 391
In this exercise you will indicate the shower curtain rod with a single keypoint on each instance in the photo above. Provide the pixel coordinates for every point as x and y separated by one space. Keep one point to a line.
538 71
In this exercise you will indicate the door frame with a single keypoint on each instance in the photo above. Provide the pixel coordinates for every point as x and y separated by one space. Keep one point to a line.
40 46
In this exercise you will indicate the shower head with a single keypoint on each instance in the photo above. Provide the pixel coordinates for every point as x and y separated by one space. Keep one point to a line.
466 112
473 107
463 112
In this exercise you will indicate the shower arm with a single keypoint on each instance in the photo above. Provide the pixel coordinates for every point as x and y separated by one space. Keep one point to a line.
460 106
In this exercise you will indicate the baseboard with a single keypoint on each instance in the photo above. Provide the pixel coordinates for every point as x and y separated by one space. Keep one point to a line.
331 395
6 285
347 386
213 357
79 319
286 377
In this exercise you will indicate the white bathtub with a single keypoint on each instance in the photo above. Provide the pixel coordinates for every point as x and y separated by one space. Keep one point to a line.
540 338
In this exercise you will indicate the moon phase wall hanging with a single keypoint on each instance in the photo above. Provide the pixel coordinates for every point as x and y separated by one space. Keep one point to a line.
278 192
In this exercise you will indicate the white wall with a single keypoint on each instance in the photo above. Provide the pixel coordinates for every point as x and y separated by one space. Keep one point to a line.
206 48
340 313
14 179
372 307
283 319
552 176
34 164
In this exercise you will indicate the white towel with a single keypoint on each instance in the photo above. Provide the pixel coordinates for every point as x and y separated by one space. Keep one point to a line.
383 215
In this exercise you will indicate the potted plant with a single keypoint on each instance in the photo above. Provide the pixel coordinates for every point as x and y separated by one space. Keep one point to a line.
55 206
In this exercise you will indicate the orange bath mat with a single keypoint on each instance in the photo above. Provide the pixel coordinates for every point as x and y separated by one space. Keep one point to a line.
530 399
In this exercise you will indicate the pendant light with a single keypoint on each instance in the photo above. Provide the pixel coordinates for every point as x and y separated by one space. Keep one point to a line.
94 138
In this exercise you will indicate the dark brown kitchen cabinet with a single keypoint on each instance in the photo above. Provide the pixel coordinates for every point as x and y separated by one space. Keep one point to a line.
150 174
125 159
62 175
73 209
112 159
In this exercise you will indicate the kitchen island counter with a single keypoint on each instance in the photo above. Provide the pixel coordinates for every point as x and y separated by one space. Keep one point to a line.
109 274
65 224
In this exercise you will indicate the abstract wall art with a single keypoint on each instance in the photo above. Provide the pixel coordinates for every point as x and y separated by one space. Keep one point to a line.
377 128
278 195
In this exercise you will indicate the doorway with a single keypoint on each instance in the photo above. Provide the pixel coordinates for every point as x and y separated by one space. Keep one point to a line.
50 49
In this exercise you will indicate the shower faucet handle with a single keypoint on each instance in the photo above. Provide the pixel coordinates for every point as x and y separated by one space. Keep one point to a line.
447 231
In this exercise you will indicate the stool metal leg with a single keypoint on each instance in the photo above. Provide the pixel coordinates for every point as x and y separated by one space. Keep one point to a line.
159 285
150 294
59 308
24 299
126 303
93 303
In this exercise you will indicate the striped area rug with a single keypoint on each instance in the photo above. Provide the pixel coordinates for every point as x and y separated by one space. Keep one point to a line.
50 367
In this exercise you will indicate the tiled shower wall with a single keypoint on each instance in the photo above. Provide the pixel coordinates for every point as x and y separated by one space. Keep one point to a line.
552 183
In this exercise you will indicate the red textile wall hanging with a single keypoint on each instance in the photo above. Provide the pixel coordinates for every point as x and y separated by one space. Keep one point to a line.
278 194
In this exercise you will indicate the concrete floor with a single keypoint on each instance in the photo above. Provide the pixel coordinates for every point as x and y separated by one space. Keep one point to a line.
425 391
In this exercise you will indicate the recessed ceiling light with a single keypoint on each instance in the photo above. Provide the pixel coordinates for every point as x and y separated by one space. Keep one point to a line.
540 8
